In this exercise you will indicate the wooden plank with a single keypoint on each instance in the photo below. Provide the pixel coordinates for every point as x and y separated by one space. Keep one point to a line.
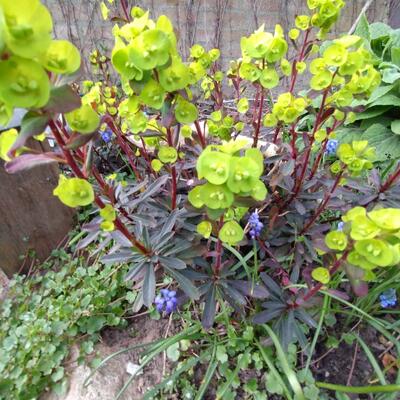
31 217
394 14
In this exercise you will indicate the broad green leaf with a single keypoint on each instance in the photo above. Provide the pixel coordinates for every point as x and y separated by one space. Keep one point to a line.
395 126
379 29
362 28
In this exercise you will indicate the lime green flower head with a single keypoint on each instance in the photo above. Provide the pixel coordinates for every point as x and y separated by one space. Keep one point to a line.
204 228
249 72
302 22
256 45
277 49
167 154
62 57
185 112
321 274
386 218
175 77
107 226
270 120
150 49
336 240
123 62
335 55
213 166
216 196
358 260
269 78
83 120
197 51
153 94
28 27
321 81
243 173
286 67
194 197
363 228
74 192
108 213
137 122
231 233
376 251
23 83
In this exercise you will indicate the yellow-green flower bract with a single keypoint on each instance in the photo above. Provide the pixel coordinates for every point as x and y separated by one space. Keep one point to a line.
83 120
74 192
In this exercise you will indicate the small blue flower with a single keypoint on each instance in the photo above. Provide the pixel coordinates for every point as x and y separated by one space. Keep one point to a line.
255 224
340 226
166 301
106 135
331 147
388 298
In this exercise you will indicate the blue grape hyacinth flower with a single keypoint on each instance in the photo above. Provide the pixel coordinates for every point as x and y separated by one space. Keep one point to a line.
331 147
388 298
106 135
166 301
340 226
255 224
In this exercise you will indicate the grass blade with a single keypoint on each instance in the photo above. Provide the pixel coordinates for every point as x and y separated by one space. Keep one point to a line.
212 366
290 374
372 360
359 389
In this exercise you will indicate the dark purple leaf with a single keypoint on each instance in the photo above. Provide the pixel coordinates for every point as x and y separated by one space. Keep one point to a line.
266 316
121 256
210 305
28 161
32 124
63 99
91 237
149 285
77 140
256 291
172 262
185 283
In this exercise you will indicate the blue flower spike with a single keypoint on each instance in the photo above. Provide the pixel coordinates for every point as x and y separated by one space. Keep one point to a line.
106 136
340 226
255 224
388 298
166 301
331 147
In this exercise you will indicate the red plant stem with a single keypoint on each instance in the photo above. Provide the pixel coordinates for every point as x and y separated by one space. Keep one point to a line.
78 173
318 122
324 203
389 182
124 7
300 58
200 134
126 149
258 125
276 133
293 143
315 289
322 151
173 172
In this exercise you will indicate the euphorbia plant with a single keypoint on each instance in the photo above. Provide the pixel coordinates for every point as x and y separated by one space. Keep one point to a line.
197 173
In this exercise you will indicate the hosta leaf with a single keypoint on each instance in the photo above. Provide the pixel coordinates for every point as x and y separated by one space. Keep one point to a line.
395 126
